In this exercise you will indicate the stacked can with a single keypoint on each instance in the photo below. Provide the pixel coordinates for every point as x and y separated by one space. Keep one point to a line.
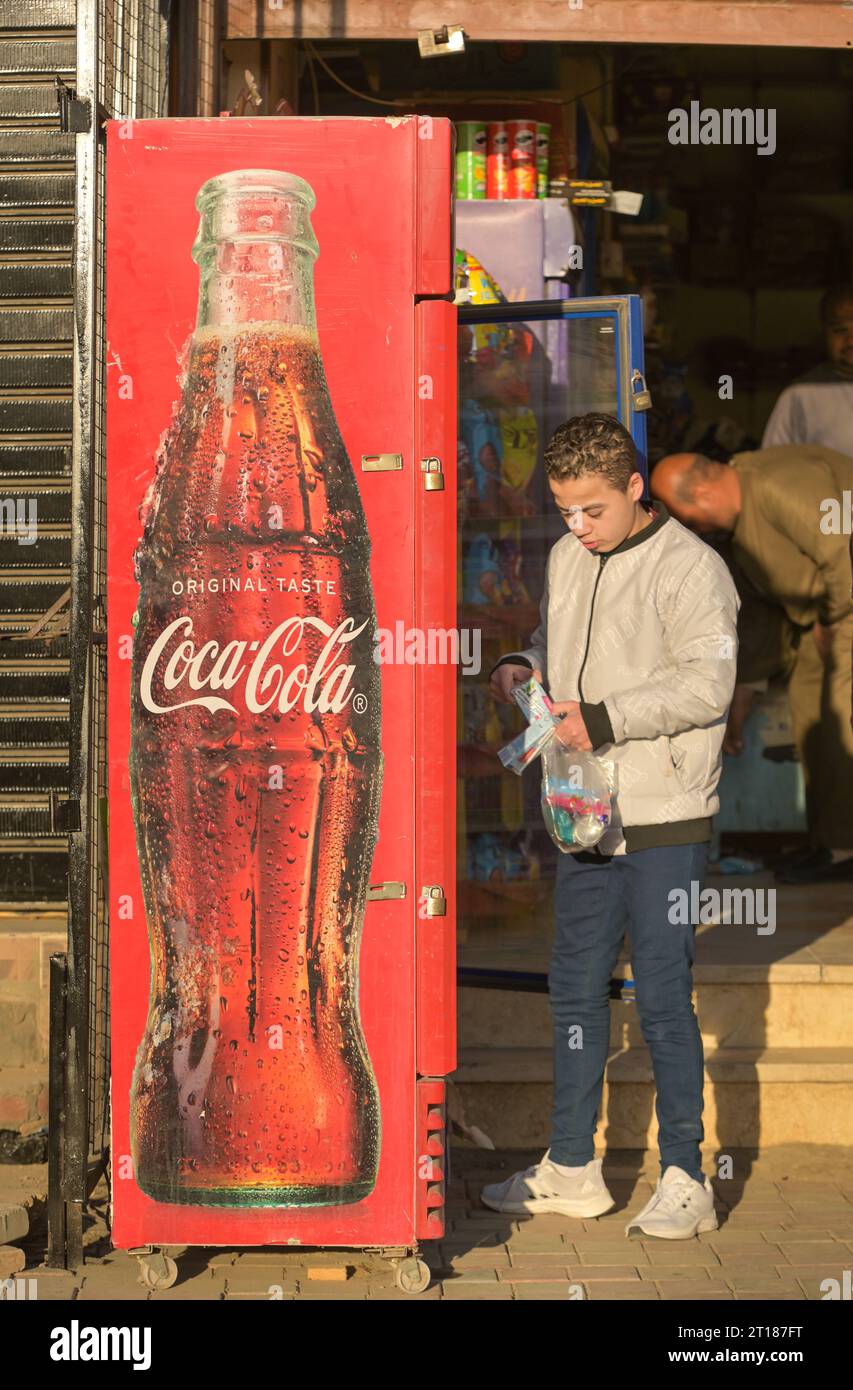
497 160
516 159
470 159
543 140
522 159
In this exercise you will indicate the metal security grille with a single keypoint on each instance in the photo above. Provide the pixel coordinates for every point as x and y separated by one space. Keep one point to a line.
121 73
37 46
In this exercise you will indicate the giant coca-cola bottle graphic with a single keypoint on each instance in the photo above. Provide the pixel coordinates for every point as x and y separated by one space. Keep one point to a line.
255 765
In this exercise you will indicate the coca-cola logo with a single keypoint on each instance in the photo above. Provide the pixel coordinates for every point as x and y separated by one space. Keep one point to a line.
325 687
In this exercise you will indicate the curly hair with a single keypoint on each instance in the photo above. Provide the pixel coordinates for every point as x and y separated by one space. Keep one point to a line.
591 444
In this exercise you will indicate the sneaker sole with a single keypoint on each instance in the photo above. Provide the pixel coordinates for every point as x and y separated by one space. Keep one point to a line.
707 1223
558 1206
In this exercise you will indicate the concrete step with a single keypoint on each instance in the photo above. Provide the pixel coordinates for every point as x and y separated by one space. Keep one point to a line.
753 1096
799 1005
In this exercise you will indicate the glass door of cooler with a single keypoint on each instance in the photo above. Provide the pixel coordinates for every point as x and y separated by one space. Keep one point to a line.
523 369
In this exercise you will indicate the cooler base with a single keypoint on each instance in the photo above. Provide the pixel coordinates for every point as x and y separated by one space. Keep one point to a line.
309 1196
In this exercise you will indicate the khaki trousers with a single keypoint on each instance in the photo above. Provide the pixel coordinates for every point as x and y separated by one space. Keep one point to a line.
821 698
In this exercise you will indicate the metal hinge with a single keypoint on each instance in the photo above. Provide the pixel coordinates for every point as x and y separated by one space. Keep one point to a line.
75 113
380 892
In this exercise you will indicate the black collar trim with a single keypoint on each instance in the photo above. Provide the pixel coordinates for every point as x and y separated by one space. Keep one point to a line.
660 519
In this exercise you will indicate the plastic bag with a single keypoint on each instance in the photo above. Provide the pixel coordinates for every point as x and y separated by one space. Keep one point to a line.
576 796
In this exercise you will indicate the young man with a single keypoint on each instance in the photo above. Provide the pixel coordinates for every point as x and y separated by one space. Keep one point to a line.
818 408
638 641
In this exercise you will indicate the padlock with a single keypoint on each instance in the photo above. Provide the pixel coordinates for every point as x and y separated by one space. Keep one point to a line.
641 396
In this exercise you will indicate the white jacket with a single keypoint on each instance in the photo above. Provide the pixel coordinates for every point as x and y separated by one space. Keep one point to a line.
645 638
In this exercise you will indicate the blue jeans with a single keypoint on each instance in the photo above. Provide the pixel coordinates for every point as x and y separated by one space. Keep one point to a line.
596 898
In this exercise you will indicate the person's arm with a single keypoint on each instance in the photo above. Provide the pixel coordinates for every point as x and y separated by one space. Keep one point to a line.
785 425
536 655
799 517
692 688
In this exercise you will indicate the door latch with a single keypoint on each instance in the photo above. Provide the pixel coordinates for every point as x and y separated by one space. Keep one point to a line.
381 892
381 463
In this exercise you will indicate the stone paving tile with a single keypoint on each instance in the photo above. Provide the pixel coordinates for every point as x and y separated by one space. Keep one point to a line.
643 1293
383 1295
192 1290
558 1293
259 1281
607 1224
110 1281
810 1283
650 1273
787 1296
542 1245
765 1279
238 1296
318 1289
102 1295
467 1229
626 1252
533 1274
58 1295
283 1257
813 1253
520 1258
603 1274
693 1293
749 1255
469 1276
792 1232
477 1291
750 1220
679 1252
475 1259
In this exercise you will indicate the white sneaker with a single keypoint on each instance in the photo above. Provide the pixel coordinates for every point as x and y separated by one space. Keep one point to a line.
542 1188
679 1208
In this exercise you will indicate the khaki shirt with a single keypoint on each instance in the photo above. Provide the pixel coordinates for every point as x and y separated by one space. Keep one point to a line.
783 541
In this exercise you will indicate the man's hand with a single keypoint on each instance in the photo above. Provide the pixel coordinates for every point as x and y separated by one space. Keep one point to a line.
740 707
506 676
823 634
571 729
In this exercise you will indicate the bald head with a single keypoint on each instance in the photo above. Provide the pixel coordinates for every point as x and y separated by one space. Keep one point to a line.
701 493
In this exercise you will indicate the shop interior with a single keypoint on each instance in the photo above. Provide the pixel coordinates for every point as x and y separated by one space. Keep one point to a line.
729 253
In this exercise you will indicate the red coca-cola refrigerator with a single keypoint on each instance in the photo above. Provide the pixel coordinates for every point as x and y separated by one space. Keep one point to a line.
281 492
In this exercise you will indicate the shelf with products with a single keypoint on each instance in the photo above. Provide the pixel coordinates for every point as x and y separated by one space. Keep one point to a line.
499 620
516 386
496 898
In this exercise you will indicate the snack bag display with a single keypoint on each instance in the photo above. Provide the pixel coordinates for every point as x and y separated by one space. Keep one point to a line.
481 568
576 796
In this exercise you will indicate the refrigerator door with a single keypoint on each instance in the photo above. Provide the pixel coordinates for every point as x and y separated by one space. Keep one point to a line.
588 356
524 368
266 1081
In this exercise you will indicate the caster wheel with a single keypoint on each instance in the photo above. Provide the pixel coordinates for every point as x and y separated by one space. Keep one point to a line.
157 1272
412 1276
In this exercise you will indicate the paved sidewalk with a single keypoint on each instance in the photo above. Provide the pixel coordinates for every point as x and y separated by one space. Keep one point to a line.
786 1225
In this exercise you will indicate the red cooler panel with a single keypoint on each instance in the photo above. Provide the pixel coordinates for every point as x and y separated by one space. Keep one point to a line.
263 481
